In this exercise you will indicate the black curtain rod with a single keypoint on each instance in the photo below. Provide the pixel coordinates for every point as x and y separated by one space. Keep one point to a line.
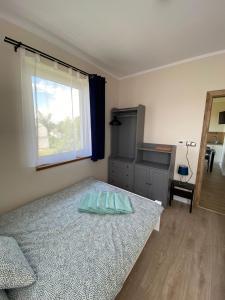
17 45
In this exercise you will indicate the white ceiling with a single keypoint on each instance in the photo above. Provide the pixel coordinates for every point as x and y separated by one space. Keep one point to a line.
127 36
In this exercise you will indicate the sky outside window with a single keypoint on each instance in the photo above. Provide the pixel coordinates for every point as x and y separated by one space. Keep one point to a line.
58 115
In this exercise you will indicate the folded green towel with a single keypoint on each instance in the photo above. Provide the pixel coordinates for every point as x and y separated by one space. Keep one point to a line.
106 203
121 203
110 202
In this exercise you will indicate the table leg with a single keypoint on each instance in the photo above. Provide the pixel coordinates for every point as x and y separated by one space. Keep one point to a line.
211 161
171 195
190 210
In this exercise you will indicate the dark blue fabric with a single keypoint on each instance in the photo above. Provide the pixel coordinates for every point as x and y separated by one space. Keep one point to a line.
97 105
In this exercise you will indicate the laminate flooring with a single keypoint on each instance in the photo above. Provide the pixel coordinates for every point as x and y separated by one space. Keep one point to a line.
213 190
184 260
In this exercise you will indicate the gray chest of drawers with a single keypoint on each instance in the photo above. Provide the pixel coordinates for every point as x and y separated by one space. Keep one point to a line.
121 173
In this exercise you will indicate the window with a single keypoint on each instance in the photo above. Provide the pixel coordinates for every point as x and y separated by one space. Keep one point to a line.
58 102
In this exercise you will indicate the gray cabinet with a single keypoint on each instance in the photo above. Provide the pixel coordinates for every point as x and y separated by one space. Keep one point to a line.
143 168
151 183
141 180
159 185
153 171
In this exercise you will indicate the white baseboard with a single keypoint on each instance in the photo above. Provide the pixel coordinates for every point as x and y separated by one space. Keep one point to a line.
181 199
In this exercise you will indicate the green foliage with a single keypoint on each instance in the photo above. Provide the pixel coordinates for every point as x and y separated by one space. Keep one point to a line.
63 136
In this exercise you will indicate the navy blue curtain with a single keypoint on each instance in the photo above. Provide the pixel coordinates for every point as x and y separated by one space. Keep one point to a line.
97 105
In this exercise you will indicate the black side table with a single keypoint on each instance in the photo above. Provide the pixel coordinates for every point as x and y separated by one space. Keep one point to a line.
182 189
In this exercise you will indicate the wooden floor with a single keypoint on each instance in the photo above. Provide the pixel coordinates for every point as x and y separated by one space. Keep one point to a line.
213 190
184 261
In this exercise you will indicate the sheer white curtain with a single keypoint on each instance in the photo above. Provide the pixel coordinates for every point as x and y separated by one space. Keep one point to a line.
56 111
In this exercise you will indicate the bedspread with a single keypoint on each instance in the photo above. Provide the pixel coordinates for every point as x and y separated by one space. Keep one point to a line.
78 256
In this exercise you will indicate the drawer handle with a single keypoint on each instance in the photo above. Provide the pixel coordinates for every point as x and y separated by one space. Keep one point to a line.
148 183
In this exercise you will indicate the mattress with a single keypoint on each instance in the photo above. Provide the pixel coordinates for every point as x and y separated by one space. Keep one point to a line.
77 255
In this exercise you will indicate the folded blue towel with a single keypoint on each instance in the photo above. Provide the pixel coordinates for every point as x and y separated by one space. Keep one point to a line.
106 203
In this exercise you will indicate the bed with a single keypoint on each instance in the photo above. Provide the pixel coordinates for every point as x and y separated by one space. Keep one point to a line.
78 255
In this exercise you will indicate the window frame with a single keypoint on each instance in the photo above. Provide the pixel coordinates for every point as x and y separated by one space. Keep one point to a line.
48 166
44 166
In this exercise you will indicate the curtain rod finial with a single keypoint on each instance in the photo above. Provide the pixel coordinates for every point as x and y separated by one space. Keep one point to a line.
17 46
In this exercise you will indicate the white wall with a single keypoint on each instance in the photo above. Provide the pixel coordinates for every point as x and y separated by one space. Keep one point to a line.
18 183
175 100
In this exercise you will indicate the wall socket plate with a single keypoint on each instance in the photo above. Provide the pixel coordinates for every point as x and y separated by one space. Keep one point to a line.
187 143
190 144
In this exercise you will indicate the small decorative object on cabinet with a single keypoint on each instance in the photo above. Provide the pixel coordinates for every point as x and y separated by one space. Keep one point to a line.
143 168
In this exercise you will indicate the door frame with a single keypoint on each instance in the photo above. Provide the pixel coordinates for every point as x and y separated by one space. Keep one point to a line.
201 159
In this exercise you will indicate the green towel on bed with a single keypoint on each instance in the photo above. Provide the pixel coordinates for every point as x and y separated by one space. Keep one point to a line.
106 203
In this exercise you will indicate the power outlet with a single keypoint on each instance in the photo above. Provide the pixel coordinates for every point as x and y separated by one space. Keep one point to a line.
190 144
186 143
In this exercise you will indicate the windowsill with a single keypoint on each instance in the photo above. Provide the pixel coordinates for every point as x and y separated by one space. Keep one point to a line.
47 166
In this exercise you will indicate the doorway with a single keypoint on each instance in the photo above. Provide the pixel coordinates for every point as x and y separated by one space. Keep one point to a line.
210 182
